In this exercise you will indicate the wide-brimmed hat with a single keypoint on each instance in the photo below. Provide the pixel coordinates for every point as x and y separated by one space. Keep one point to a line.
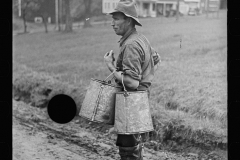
129 8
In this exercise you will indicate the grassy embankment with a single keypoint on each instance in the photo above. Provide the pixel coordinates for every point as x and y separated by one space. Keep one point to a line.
188 94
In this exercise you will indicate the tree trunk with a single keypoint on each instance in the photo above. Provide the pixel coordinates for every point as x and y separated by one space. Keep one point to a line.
59 15
87 13
45 23
24 20
68 17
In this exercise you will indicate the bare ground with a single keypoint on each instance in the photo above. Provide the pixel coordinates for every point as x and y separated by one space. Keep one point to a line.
35 136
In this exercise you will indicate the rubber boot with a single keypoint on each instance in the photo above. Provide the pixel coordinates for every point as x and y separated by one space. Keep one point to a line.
131 153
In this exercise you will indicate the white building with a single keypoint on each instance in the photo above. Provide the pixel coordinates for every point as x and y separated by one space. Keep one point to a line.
146 8
154 8
108 5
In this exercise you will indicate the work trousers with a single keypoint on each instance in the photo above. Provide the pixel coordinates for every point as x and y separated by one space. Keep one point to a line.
130 147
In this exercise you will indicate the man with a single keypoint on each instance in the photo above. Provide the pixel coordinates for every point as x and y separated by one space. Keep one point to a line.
137 63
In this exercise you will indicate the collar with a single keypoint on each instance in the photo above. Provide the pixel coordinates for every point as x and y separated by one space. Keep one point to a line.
123 39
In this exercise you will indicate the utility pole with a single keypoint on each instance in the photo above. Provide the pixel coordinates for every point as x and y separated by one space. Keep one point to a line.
19 8
56 14
177 10
218 8
207 9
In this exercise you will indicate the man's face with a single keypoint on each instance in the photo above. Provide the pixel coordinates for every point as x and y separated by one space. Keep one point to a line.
119 24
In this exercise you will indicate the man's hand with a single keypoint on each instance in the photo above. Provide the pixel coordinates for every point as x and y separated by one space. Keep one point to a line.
109 59
110 132
157 60
157 65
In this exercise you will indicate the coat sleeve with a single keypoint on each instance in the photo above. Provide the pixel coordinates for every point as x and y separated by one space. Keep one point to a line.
132 61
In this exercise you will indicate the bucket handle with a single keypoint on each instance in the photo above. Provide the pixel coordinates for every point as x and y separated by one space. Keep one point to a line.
109 76
125 91
100 93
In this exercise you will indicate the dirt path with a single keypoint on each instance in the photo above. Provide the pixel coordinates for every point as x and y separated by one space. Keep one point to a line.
35 136
38 146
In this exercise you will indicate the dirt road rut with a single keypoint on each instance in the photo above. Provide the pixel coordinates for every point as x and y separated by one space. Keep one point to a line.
35 136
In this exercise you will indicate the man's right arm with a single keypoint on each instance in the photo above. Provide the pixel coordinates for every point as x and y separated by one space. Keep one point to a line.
156 59
127 80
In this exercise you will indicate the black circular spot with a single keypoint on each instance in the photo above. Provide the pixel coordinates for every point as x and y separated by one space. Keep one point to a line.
61 108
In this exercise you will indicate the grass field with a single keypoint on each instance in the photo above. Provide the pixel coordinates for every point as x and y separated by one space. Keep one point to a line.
190 85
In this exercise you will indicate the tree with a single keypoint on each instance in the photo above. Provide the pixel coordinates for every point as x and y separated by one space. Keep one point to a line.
45 13
26 7
45 21
83 10
87 4
68 27
223 4
60 14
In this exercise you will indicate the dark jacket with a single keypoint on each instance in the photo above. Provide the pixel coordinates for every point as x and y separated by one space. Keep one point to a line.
137 58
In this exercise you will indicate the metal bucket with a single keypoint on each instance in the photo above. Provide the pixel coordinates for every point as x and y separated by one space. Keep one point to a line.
132 112
99 102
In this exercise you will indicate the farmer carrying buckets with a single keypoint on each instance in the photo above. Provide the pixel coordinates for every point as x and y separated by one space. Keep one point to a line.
125 103
134 71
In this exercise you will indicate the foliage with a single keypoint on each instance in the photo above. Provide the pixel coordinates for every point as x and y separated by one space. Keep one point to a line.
38 88
68 27
27 6
83 10
176 131
78 8
87 13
